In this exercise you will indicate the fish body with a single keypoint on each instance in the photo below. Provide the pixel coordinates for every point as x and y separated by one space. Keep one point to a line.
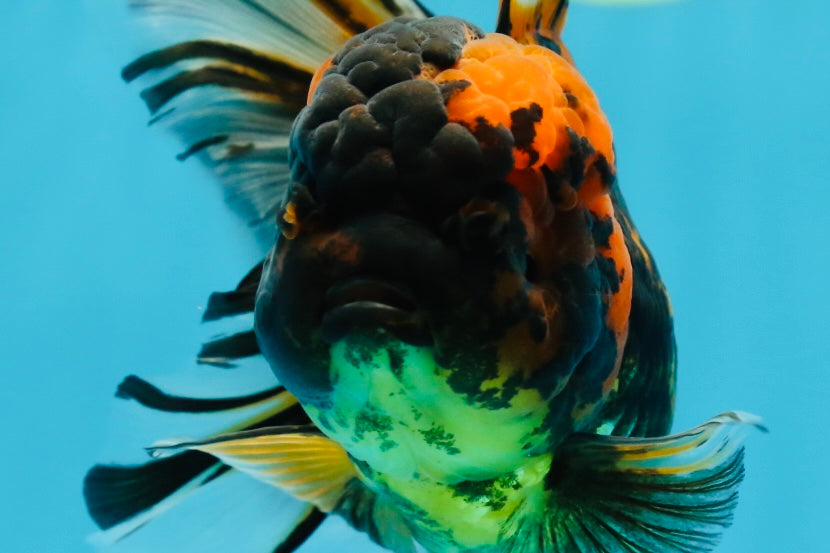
473 344
474 284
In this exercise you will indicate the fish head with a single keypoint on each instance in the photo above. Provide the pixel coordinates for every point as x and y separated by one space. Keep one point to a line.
435 278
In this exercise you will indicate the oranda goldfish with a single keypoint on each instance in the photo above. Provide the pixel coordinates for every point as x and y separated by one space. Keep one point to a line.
472 345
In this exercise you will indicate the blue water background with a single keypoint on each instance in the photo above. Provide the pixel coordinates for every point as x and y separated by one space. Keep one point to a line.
722 126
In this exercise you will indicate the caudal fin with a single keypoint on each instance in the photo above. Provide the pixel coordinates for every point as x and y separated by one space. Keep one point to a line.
123 498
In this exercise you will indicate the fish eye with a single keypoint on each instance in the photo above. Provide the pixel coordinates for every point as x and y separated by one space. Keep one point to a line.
478 226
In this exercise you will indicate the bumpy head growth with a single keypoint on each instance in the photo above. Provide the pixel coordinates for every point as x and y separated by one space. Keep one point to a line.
431 111
377 129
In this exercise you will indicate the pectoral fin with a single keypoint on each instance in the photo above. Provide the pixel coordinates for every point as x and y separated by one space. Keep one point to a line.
671 494
298 460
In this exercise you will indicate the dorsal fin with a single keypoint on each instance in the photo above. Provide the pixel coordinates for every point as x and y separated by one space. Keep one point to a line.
540 22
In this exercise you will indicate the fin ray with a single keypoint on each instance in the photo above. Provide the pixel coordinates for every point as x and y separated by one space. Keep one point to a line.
308 466
236 302
644 401
606 494
235 77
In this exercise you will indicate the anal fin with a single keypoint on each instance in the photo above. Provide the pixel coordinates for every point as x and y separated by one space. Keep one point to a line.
673 494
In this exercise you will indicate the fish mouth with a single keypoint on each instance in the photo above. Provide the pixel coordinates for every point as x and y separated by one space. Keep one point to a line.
367 304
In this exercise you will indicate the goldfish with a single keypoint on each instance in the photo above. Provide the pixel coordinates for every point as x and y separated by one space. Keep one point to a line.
472 348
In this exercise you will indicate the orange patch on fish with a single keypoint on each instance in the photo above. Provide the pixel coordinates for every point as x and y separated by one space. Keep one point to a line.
619 302
318 75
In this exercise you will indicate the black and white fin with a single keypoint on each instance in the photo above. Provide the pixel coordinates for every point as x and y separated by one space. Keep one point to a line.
238 301
123 498
310 467
227 349
605 494
234 74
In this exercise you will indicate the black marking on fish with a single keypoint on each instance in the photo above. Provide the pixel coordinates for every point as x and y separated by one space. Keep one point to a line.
469 371
451 88
573 100
606 172
483 492
396 360
523 126
370 420
609 277
581 150
438 437
360 350
601 229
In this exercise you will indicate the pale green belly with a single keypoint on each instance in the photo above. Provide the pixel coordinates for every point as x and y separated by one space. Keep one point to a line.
465 466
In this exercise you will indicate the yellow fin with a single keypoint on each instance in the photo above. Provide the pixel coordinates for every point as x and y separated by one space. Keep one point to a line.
304 464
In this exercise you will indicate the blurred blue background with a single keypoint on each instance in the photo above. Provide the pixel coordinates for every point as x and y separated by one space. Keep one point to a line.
109 246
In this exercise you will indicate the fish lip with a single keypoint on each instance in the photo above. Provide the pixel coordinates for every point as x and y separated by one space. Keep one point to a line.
370 304
381 292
